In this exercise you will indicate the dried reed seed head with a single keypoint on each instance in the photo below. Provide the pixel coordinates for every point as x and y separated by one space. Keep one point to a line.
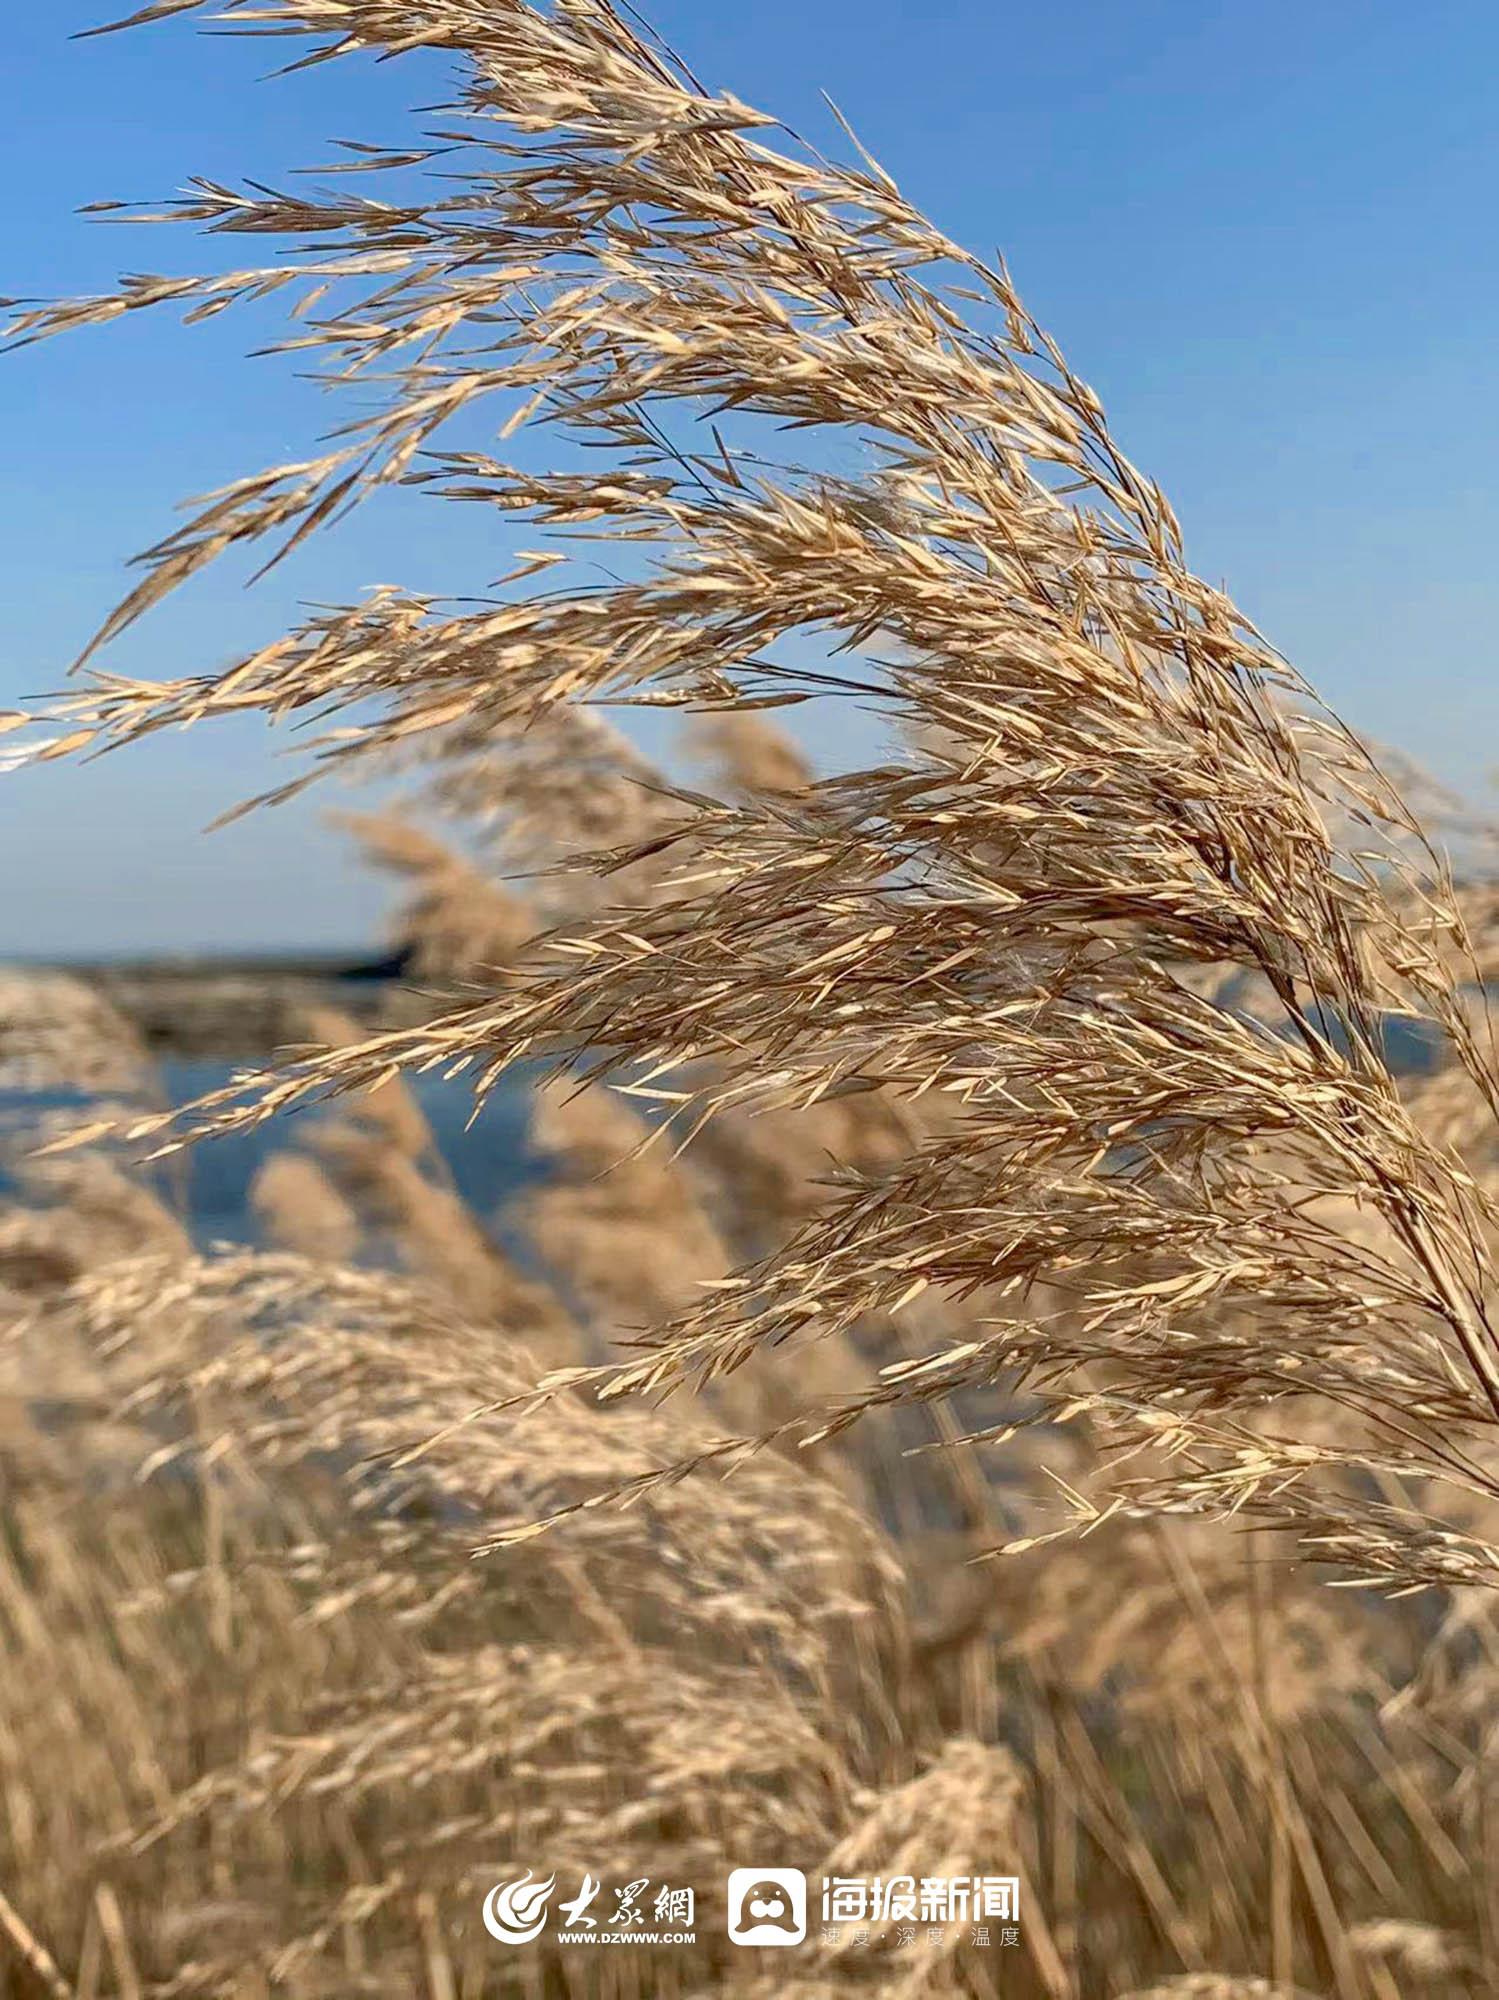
1418 1951
56 1033
746 754
1217 1986
299 1209
421 1404
457 927
620 1228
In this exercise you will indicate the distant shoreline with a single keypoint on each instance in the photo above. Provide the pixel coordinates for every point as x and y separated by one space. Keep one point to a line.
322 962
237 1004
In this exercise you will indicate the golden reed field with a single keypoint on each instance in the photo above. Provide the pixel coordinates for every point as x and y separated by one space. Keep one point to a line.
998 1377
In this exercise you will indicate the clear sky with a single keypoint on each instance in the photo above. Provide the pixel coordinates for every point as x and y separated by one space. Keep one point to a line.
1264 232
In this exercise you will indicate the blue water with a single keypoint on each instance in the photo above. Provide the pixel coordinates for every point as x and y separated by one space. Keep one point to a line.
489 1159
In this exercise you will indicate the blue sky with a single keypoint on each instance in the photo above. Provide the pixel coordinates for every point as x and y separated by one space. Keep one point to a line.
1264 233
